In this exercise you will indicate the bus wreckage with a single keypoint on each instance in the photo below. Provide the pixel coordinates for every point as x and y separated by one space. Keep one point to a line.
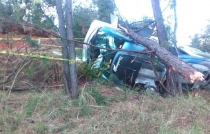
111 47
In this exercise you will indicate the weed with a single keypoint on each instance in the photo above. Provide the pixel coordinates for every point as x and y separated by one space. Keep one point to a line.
82 101
125 96
10 128
31 71
8 109
90 72
55 104
99 98
62 128
31 42
41 128
195 129
10 119
166 130
1 121
31 105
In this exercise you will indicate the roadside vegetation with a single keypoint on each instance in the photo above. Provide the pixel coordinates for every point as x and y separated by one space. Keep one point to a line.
103 108
32 96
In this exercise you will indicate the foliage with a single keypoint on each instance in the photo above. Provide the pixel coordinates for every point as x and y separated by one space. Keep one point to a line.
82 18
30 41
195 42
142 24
202 41
29 11
5 9
50 3
37 13
90 72
18 13
105 7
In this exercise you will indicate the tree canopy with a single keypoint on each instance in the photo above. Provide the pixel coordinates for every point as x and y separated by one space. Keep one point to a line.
202 41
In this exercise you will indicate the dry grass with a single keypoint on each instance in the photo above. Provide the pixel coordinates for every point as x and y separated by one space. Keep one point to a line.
103 109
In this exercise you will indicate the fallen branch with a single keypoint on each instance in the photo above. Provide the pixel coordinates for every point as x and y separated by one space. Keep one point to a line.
171 61
16 75
30 88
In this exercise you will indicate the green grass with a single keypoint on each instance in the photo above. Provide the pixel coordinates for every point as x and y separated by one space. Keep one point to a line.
41 128
101 108
31 105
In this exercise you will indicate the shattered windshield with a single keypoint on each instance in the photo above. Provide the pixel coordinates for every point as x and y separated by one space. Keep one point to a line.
104 44
103 40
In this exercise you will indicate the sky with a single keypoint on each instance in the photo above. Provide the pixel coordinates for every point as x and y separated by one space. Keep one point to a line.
192 15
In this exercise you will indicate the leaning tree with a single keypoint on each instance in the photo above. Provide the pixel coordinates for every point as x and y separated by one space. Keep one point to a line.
171 77
172 62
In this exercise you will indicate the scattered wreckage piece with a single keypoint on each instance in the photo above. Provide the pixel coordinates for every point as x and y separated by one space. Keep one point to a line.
185 70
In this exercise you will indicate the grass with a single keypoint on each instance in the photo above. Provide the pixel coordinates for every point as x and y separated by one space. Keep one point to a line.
103 109
41 128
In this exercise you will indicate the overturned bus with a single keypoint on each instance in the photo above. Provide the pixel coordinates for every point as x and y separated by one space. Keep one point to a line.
126 62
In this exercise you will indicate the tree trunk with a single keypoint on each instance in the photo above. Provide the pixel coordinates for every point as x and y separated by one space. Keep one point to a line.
171 61
173 84
179 85
161 32
68 48
62 31
175 27
72 53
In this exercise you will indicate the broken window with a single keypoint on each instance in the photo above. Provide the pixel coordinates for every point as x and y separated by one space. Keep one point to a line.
103 52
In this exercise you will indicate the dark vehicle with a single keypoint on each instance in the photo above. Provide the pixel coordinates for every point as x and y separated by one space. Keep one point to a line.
120 54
